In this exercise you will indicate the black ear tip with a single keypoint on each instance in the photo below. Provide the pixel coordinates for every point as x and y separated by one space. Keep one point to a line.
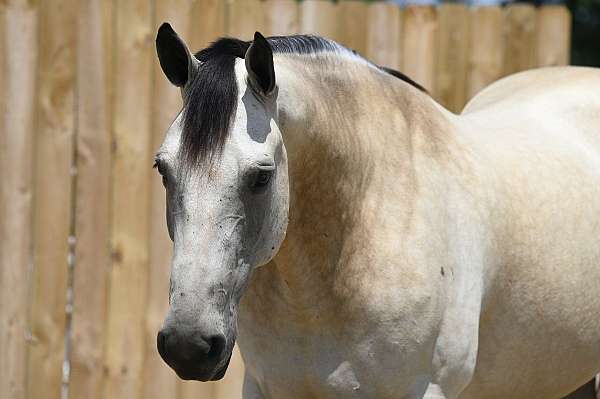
165 27
164 30
259 36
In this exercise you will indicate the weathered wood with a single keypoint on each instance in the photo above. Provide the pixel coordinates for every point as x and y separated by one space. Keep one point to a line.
486 48
208 23
244 18
195 390
95 42
320 18
452 55
159 379
19 60
520 22
132 161
54 135
282 17
2 83
553 35
384 44
353 14
419 45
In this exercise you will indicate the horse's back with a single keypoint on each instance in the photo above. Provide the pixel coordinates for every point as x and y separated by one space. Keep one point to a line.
559 105
551 112
540 87
541 133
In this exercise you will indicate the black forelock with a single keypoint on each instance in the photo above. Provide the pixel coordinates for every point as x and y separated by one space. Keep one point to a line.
211 97
210 102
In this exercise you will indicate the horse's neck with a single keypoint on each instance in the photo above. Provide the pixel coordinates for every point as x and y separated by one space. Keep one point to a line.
354 151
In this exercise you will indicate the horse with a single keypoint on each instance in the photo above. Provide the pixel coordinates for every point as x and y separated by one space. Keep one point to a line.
361 241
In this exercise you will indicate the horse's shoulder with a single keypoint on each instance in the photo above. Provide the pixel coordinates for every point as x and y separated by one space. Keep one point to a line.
550 82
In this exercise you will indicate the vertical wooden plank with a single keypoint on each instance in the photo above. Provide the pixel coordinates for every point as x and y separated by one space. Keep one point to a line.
130 200
159 381
320 18
520 37
208 24
452 55
553 42
486 48
419 45
244 17
354 25
95 41
52 197
282 17
16 148
2 83
384 30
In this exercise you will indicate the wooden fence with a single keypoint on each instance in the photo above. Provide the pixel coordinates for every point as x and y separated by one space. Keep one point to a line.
83 246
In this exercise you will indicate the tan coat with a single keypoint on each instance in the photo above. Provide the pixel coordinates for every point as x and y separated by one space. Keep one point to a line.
429 253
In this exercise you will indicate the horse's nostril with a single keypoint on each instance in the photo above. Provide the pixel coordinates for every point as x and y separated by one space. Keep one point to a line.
217 345
161 339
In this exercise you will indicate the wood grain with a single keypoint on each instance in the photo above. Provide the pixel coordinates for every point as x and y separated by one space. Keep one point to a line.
282 17
486 48
320 18
520 28
353 14
209 20
19 59
245 17
54 138
452 55
384 34
553 35
95 41
130 200
419 45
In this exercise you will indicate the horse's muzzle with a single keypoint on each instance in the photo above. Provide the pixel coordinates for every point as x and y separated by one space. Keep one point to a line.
191 355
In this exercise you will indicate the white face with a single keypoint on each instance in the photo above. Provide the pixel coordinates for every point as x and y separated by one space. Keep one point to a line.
224 220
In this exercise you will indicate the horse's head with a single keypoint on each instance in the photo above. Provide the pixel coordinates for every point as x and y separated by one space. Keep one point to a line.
224 168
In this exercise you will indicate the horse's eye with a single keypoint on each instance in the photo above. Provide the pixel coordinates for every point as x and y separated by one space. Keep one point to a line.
262 179
161 170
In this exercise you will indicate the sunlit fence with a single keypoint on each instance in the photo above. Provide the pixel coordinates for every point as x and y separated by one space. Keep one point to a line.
83 247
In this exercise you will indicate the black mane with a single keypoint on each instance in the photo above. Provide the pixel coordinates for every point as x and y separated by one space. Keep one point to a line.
209 107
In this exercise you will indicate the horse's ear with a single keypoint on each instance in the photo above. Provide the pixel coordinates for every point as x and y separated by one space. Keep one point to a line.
175 59
259 64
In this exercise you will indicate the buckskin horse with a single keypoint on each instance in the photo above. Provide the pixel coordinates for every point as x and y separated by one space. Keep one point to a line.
426 254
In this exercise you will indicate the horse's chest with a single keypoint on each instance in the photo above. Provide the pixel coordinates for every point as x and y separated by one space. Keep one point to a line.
288 370
319 365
